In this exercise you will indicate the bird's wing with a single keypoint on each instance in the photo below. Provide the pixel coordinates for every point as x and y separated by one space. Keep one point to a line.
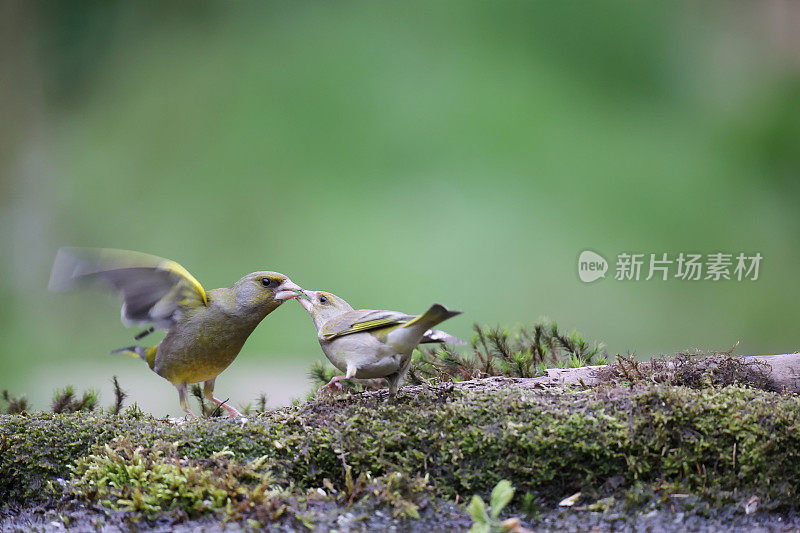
153 289
362 320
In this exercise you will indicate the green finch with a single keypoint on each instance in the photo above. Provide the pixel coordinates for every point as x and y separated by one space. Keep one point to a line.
205 329
366 343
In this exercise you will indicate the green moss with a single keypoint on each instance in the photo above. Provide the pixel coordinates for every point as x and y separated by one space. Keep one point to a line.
547 443
122 477
65 401
16 405
153 481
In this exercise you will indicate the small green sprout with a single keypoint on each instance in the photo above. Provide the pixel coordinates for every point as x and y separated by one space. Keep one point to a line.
486 521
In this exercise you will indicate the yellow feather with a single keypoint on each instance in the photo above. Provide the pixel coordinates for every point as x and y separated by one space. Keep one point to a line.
369 325
172 266
150 355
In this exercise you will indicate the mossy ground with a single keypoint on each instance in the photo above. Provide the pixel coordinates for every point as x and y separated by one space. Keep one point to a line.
626 449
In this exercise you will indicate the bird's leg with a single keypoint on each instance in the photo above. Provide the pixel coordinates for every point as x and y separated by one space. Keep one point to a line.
335 381
184 402
394 383
208 392
396 380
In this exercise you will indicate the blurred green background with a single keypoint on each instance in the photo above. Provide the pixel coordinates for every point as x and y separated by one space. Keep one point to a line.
396 154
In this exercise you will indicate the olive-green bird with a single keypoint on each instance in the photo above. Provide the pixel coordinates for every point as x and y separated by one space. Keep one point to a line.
205 329
368 343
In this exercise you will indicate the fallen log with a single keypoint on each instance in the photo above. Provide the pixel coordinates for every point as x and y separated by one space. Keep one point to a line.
783 370
780 371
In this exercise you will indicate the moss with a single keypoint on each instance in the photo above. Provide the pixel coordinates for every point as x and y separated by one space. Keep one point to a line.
155 481
15 405
150 481
695 369
717 442
65 401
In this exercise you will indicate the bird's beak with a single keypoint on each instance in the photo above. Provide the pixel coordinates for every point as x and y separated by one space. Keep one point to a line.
305 300
288 291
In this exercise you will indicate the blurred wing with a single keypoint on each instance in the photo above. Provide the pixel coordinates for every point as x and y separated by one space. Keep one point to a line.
152 289
435 335
362 320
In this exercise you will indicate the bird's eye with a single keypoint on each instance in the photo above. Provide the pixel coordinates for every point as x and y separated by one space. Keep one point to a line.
266 282
322 299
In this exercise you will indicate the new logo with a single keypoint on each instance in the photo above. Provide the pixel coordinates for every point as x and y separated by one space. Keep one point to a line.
591 266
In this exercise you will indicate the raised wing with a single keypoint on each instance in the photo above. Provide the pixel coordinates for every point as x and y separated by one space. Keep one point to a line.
153 289
362 320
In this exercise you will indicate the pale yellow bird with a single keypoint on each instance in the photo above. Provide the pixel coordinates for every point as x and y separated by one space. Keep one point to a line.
368 343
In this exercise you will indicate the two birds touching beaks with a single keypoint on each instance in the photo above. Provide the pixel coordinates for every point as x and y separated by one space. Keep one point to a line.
206 329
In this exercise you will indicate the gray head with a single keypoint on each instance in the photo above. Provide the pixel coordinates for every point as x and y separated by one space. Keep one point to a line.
323 306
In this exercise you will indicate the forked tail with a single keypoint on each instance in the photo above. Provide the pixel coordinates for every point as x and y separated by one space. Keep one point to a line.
427 320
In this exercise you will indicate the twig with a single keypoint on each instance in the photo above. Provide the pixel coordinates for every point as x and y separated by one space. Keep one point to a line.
214 413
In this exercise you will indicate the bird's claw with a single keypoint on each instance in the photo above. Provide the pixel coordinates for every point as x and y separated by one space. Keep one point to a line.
334 383
324 387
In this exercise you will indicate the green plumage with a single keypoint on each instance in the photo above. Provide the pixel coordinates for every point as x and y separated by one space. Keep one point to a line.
205 329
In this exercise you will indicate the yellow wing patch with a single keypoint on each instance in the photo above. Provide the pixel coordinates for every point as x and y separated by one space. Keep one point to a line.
358 327
178 269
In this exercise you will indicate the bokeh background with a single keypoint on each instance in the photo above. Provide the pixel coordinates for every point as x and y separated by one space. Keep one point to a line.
396 154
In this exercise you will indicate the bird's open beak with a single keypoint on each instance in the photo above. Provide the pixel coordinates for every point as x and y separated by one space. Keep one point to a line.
288 291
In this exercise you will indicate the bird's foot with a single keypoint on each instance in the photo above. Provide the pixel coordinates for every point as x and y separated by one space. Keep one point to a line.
224 404
233 412
334 383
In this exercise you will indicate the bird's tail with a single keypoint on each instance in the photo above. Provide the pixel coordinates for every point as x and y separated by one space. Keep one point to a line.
146 353
435 315
436 335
